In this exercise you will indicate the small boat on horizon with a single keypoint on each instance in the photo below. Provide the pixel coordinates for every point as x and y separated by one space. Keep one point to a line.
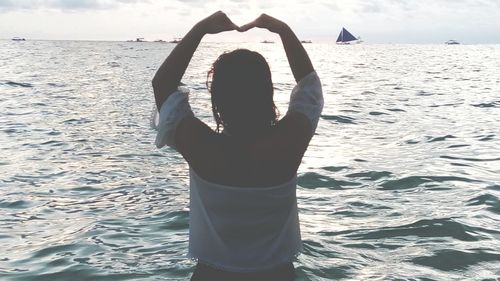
267 42
346 38
18 39
137 40
305 41
452 42
175 40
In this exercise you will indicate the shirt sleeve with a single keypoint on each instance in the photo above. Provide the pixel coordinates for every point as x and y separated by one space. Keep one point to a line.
307 98
172 112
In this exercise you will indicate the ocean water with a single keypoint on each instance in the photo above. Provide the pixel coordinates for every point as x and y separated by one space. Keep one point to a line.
401 182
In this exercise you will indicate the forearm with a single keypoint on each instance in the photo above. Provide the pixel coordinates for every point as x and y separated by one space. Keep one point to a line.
169 75
297 56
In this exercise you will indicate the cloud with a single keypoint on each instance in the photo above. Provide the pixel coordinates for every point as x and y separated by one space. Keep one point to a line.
371 7
330 5
8 5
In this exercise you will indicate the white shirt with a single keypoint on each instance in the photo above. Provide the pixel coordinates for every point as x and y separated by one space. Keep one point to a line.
242 229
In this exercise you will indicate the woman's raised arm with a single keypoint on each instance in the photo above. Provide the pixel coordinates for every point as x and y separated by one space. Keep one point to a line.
168 76
297 56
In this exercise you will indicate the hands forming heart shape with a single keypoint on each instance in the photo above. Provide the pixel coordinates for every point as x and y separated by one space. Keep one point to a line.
219 22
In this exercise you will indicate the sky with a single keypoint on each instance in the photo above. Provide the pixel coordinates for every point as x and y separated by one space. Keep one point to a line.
376 21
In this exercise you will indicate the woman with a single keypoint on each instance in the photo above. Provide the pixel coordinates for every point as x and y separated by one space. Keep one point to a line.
243 208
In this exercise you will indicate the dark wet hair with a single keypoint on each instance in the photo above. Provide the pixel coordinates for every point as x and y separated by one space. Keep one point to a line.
242 92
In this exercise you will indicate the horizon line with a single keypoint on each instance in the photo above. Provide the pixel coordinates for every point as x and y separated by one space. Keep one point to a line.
208 41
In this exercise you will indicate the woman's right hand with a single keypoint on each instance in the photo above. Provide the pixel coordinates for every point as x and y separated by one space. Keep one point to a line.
297 56
264 21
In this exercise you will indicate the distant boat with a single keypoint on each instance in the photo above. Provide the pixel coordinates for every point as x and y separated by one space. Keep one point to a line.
346 38
175 40
267 42
452 42
305 41
18 39
160 41
137 40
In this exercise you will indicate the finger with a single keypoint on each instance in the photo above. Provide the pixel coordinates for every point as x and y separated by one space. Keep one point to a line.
246 27
231 25
242 28
234 27
229 28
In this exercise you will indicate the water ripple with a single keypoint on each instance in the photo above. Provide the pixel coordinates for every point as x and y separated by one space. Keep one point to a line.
18 84
339 118
438 228
455 260
414 181
492 202
315 180
370 175
470 159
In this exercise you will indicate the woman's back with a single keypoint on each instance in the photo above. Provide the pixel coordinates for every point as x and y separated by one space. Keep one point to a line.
269 159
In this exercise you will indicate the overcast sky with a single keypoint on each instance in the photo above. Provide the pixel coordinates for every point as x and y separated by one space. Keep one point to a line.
377 21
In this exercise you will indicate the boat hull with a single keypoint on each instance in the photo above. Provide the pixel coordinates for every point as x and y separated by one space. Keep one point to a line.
350 42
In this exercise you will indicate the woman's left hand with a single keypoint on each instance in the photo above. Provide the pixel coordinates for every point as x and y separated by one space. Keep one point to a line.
216 23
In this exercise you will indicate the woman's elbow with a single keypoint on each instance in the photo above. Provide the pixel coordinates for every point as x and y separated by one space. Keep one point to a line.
155 83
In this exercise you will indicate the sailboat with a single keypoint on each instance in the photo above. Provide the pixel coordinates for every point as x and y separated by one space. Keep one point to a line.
346 38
